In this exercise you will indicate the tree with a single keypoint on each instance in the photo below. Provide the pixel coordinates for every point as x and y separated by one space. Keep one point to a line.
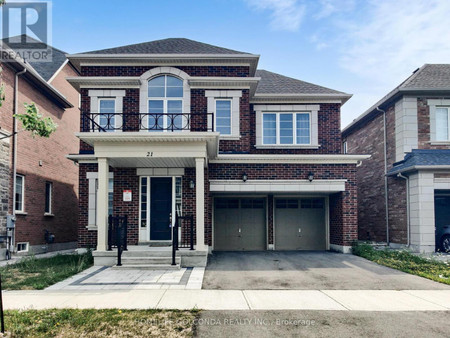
34 122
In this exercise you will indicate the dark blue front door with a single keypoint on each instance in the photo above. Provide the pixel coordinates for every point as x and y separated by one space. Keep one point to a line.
160 208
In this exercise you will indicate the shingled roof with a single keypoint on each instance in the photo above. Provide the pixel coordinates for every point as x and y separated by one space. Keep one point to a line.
44 69
273 83
168 46
422 158
429 77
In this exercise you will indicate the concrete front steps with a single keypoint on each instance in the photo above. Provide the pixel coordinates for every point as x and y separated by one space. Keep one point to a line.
149 262
157 258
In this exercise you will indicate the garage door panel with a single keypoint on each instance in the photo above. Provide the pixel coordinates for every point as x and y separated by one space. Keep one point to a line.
239 226
300 224
226 230
253 221
287 225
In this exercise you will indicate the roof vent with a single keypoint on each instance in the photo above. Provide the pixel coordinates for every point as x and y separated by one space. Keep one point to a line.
414 72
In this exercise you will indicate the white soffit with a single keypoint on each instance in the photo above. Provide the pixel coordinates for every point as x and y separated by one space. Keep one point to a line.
279 158
277 186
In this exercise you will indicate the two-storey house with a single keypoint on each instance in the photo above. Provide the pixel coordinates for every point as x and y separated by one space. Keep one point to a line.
38 185
404 188
178 127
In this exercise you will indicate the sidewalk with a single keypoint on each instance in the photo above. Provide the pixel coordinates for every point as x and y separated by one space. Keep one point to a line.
340 300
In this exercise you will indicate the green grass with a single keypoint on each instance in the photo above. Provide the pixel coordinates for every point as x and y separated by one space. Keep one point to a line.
405 261
36 274
100 323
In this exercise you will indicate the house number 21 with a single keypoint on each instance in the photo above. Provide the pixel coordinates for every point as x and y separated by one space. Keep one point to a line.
150 154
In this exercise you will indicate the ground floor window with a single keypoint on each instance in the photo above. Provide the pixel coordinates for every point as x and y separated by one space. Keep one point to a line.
48 197
93 187
20 193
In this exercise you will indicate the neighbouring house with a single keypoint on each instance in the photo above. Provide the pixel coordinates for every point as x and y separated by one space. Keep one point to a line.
404 188
39 186
177 128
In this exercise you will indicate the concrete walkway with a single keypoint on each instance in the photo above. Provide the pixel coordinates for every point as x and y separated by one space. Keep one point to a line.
114 278
338 300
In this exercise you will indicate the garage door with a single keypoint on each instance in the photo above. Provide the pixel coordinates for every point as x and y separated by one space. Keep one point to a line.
300 224
239 224
442 218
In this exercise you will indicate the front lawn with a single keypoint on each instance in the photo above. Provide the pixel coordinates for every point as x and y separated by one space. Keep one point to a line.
405 261
36 274
99 323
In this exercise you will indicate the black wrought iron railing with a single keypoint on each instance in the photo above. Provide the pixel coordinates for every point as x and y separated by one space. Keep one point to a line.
184 225
108 122
118 235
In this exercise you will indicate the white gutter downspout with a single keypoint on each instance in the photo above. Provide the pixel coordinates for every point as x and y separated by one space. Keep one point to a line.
408 223
386 197
14 161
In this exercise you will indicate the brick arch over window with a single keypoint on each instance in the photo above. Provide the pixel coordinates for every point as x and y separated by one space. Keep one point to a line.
155 72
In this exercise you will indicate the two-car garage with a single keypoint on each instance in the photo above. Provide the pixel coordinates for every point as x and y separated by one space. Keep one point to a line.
242 224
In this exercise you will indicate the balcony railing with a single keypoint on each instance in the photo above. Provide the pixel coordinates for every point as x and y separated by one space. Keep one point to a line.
171 122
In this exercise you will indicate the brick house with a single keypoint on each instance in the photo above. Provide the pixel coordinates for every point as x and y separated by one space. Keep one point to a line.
179 127
404 188
46 183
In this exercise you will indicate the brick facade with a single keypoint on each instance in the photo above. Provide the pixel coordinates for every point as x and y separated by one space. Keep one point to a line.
343 206
368 138
43 160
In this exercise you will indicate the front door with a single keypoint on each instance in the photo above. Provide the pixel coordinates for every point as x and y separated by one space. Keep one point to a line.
160 208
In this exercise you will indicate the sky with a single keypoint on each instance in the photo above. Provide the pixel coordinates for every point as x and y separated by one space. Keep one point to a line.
364 48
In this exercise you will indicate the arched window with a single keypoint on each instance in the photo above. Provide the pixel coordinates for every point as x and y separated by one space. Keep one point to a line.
165 103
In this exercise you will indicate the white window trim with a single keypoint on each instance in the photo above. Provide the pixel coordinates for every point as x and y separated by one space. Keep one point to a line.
23 196
92 198
433 104
234 96
345 147
294 129
313 110
157 71
231 114
165 100
27 246
97 94
49 212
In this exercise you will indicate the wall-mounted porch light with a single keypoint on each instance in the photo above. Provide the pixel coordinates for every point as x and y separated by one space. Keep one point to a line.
192 184
310 176
244 177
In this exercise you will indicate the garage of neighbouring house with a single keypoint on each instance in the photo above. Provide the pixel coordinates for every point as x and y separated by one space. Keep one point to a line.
261 223
442 219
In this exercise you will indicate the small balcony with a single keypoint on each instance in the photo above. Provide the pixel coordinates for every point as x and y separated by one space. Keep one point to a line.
150 122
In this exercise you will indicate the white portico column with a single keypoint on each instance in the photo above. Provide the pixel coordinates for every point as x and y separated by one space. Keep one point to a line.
200 202
102 204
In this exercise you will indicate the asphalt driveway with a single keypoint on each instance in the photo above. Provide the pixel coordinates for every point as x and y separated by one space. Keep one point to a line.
300 270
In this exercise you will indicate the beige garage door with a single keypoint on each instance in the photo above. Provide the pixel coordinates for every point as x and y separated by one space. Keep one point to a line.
300 224
239 224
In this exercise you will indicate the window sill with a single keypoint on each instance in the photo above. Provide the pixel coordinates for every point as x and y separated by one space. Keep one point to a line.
439 143
49 215
229 137
21 213
91 227
286 146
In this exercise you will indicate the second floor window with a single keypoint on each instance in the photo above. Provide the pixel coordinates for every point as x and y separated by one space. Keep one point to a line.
286 128
442 124
223 117
165 103
107 118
